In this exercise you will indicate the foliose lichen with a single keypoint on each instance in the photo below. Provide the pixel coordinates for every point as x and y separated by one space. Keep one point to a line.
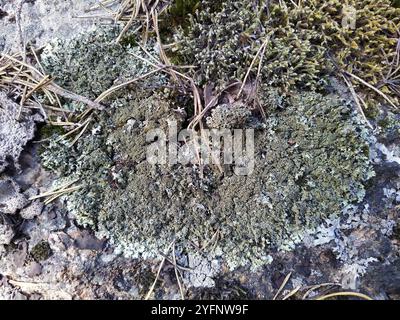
91 63
229 116
311 161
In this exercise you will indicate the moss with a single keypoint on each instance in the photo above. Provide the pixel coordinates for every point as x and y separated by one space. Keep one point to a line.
307 42
396 3
384 123
41 251
372 112
214 38
180 10
46 131
362 50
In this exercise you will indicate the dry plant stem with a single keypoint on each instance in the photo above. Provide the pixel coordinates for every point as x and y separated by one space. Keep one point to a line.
69 190
262 49
291 293
38 76
75 97
52 192
357 101
345 294
159 271
80 133
146 11
46 80
177 273
127 26
197 119
313 288
163 56
102 4
372 88
285 281
74 130
62 124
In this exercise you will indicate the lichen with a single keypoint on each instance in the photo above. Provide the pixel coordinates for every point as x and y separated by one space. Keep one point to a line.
91 63
229 116
310 163
311 158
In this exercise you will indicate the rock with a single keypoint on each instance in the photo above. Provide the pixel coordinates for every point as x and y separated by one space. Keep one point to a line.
6 232
17 127
202 273
34 269
11 200
33 210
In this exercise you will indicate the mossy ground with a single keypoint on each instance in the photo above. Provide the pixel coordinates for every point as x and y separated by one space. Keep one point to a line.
311 155
310 163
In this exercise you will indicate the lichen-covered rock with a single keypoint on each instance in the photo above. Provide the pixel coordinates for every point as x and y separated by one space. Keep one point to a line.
11 199
32 210
17 127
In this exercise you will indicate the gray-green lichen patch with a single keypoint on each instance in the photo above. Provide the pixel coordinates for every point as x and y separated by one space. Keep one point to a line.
229 116
311 161
93 62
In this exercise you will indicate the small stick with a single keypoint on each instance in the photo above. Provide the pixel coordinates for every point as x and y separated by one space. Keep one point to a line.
176 273
252 64
341 294
285 281
373 88
355 96
158 272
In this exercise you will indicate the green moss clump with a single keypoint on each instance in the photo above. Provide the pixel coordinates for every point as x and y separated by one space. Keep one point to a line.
319 26
396 3
180 10
41 251
214 39
306 42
